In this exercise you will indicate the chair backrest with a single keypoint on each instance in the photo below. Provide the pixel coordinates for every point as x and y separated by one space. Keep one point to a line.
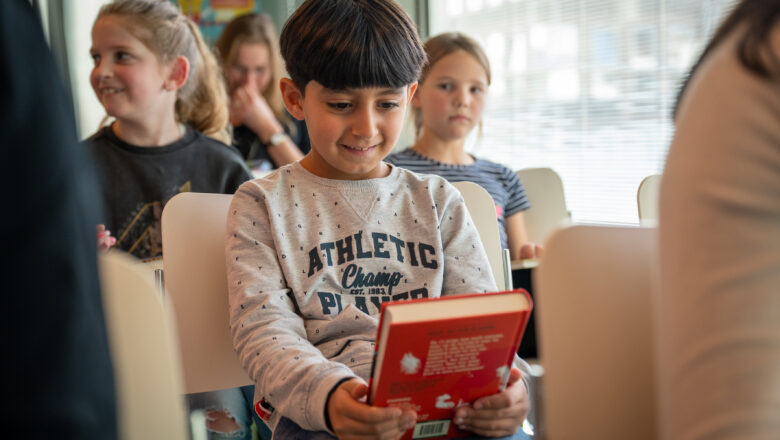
193 236
544 189
594 290
144 352
483 211
647 197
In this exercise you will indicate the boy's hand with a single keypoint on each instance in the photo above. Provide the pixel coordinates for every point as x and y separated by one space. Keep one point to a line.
498 415
104 238
351 418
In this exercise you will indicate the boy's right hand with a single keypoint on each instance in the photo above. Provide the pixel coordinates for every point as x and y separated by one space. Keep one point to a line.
352 418
104 238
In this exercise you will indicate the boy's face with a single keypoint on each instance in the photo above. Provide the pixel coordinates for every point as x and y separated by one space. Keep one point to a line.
351 130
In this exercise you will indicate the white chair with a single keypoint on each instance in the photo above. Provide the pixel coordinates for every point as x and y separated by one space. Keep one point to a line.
544 189
144 352
193 236
647 198
483 211
594 296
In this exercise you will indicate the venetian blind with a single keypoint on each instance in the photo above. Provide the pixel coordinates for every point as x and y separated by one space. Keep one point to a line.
585 87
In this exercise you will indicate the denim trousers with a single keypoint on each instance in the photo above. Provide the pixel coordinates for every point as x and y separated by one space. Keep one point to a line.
237 402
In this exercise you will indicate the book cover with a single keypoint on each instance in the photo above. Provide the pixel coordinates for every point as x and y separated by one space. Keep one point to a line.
434 355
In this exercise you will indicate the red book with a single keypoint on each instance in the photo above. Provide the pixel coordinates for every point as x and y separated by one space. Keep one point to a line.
434 355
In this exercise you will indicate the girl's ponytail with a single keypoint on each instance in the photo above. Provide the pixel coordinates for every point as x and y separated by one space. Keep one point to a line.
205 104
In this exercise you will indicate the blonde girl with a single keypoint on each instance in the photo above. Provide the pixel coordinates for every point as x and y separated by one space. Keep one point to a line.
447 106
161 85
158 81
263 131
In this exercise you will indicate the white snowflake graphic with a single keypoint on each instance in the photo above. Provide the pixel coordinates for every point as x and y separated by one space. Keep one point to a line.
444 402
410 364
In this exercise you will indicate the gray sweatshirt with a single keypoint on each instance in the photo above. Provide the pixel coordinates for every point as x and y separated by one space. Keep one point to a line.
310 260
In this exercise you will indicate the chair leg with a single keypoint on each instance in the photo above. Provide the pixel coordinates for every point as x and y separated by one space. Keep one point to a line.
507 259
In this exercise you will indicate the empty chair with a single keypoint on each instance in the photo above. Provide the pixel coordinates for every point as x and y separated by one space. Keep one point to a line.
483 211
544 189
144 352
193 236
647 198
594 295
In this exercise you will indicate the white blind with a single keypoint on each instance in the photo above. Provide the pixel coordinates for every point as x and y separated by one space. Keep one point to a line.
585 87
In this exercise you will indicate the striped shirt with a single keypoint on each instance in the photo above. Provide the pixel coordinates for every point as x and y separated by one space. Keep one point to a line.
502 183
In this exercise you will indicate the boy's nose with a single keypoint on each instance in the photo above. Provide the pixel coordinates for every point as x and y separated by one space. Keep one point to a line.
364 124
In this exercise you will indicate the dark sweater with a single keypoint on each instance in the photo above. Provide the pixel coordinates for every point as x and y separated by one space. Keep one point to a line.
137 182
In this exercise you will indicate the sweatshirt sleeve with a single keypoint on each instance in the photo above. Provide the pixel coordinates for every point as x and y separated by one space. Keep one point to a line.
466 266
269 336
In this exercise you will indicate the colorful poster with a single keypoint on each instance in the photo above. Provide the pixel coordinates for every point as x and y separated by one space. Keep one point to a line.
212 15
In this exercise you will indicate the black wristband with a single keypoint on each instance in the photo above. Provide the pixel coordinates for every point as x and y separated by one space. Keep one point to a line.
327 400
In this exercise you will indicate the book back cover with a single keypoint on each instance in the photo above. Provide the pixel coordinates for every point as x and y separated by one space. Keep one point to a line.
435 366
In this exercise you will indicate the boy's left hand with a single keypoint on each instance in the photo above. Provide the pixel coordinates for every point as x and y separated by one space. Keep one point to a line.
498 415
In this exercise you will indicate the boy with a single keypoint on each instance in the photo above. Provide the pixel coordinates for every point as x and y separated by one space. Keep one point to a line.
314 248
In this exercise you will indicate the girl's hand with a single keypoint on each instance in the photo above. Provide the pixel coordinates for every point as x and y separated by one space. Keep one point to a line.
498 415
530 251
351 418
248 107
104 238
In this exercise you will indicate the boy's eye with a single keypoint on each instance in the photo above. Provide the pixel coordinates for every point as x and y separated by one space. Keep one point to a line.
95 58
341 106
476 89
445 86
389 105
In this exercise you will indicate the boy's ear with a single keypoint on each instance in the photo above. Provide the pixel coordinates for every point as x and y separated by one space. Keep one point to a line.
292 97
180 71
415 98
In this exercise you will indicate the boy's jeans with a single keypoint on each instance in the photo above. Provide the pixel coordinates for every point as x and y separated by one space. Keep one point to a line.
237 402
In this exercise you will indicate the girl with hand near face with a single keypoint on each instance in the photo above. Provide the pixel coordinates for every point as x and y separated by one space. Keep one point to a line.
263 131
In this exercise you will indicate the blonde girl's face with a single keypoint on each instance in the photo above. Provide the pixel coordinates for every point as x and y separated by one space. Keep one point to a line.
452 97
127 77
251 67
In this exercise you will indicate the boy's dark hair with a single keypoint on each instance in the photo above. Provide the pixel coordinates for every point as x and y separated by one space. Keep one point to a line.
345 44
753 49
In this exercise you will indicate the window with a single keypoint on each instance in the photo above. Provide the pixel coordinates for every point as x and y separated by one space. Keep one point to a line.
585 87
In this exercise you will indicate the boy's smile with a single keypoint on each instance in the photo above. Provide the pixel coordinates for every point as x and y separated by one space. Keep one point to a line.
351 130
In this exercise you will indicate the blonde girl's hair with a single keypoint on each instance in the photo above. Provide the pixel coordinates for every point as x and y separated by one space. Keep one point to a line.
251 29
160 26
439 47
